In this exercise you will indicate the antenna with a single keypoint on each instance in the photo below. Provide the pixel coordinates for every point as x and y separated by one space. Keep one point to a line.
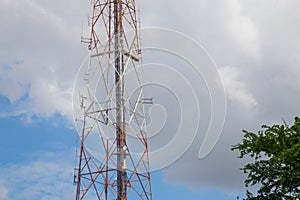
113 158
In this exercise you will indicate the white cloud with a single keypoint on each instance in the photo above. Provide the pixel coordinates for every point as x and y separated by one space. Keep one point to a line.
14 92
48 176
236 88
40 54
3 190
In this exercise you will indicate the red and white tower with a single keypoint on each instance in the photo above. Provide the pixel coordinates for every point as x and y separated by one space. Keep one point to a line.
113 160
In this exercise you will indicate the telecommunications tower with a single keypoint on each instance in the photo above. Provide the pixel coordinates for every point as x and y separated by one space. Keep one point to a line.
113 160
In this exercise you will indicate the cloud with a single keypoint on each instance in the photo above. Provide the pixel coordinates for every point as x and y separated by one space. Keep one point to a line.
40 54
257 50
3 190
236 88
47 176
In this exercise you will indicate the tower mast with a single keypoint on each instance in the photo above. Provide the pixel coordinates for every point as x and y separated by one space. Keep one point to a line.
113 162
119 84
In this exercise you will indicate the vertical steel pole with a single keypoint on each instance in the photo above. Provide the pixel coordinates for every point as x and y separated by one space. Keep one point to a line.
120 115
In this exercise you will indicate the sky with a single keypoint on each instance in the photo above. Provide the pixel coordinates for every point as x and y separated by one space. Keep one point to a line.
251 48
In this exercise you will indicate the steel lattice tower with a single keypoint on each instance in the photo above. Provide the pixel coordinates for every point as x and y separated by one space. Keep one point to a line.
113 116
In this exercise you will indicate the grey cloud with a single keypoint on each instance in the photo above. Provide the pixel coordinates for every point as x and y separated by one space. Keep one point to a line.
259 43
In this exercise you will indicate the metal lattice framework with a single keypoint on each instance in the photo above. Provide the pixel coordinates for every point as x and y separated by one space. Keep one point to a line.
113 155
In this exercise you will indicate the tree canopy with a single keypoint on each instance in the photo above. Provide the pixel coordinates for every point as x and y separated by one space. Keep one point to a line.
275 152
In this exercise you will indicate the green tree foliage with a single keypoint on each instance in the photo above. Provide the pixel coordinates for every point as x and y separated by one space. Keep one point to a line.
275 151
